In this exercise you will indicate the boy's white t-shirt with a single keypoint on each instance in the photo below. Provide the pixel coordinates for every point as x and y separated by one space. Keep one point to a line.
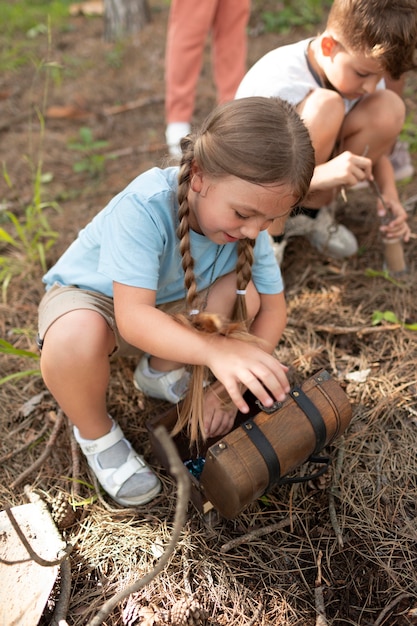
285 73
133 241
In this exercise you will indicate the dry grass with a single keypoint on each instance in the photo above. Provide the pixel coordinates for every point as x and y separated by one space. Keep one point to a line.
352 534
346 544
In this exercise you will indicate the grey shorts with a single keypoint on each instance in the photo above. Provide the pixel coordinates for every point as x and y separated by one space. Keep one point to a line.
59 300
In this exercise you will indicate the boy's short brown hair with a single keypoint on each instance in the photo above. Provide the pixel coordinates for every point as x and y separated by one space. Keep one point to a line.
385 30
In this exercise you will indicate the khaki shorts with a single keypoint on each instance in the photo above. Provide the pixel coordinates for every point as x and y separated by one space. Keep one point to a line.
59 300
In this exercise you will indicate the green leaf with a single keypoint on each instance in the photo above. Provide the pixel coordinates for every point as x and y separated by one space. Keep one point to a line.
19 375
8 348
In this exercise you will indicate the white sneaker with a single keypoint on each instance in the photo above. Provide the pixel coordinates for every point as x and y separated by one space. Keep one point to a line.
171 386
173 134
401 161
121 472
331 238
278 248
322 232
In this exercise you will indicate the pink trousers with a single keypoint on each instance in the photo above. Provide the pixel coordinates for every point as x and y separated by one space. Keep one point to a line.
190 22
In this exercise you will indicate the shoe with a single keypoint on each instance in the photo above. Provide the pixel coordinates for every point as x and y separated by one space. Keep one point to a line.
322 232
121 472
278 248
331 238
173 134
401 161
171 386
297 225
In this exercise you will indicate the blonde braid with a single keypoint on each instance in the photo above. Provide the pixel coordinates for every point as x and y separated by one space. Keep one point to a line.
243 276
191 412
259 140
183 229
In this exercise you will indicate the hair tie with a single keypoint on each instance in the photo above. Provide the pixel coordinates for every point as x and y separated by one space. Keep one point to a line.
241 292
194 312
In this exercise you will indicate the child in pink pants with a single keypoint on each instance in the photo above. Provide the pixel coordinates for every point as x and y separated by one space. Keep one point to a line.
190 22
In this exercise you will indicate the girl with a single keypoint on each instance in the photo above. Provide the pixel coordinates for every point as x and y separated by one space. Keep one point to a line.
199 233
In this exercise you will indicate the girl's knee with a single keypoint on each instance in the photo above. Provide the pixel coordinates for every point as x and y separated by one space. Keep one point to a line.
81 335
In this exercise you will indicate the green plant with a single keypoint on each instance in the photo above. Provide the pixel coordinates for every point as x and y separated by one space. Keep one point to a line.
30 238
10 349
389 316
291 13
409 132
383 274
92 162
23 23
25 244
114 57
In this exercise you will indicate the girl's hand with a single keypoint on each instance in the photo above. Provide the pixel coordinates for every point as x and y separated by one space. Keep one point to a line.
238 364
395 224
219 412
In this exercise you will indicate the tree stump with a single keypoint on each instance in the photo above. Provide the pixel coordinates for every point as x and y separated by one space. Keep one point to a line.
124 18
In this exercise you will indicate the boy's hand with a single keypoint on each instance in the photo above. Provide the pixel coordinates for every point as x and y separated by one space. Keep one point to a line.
346 169
394 220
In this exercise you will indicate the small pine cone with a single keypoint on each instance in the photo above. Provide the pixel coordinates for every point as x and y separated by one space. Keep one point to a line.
187 612
62 512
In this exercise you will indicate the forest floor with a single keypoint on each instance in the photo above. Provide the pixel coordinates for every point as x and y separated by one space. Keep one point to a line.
341 549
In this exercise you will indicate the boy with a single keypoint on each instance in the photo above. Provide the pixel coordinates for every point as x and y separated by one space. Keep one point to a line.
336 81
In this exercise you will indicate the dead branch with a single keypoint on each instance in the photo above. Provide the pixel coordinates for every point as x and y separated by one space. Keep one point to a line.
346 330
321 619
25 446
33 555
179 472
61 609
134 104
255 534
45 454
333 491
75 457
74 112
389 606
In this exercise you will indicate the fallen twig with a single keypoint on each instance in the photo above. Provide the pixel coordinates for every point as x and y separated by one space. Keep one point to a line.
50 444
33 555
75 458
61 608
134 104
179 472
389 606
346 330
321 619
333 491
25 446
255 534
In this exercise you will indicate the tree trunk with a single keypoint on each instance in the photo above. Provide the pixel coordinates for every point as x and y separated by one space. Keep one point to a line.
125 17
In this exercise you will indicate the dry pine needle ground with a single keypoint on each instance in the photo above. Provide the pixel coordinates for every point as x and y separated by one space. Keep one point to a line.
341 550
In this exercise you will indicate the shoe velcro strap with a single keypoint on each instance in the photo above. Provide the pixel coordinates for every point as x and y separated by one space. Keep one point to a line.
128 469
102 443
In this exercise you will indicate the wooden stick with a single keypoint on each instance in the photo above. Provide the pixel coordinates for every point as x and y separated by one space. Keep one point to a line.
49 446
255 534
179 472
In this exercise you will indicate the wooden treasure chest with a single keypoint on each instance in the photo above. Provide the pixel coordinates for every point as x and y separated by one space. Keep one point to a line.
264 446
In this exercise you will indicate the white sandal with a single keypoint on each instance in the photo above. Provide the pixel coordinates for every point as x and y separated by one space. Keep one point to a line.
114 478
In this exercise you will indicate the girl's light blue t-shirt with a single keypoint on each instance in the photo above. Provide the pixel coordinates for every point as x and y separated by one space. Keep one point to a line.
133 241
